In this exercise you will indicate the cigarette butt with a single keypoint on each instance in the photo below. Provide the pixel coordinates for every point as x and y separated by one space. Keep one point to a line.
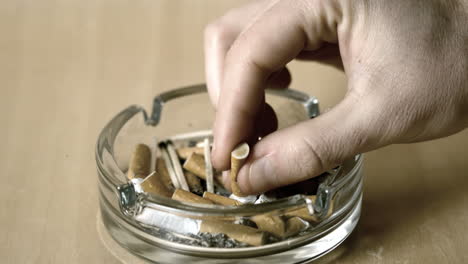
161 169
270 223
195 163
140 162
303 212
295 225
241 233
154 185
184 153
238 157
221 200
184 196
193 182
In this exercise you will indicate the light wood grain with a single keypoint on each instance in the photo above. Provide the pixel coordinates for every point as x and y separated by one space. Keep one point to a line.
66 67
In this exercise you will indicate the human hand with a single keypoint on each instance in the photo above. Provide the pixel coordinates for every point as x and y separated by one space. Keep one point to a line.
407 67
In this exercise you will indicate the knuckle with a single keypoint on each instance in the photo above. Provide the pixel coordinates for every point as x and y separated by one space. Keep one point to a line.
310 160
318 153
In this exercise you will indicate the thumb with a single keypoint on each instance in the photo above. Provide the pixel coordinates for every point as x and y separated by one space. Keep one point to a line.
307 149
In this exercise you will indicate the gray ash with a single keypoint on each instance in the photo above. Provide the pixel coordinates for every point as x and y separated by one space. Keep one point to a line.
220 241
201 240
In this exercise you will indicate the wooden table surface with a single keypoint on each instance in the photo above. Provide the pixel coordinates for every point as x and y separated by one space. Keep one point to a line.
67 67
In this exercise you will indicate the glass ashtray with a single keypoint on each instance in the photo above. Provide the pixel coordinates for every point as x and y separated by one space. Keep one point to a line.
293 224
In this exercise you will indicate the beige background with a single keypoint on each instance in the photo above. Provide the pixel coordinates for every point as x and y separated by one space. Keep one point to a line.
67 66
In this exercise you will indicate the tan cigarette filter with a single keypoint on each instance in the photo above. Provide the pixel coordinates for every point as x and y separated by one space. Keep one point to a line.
242 233
139 167
163 173
221 200
304 212
238 157
184 153
154 185
193 182
195 163
295 225
184 196
140 162
273 224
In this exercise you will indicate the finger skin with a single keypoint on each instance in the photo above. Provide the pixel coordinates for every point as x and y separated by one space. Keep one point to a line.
253 57
307 149
407 68
219 36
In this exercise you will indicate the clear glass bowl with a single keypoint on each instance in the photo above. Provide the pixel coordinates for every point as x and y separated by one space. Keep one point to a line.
163 230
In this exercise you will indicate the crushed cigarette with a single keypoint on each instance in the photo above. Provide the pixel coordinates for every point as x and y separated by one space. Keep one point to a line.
140 162
221 200
295 225
245 234
185 196
208 167
196 165
238 157
161 169
270 223
151 184
138 173
184 153
137 182
154 185
193 182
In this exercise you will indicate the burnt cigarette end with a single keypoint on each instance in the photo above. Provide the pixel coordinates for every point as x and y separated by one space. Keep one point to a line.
193 182
196 165
162 144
